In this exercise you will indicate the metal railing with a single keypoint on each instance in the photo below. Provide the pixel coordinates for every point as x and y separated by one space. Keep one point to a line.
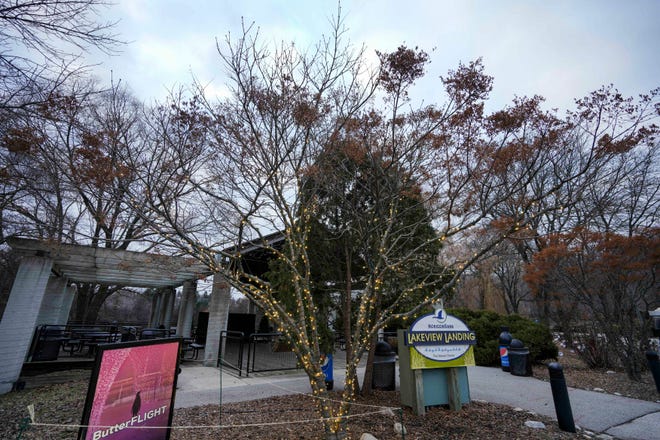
270 352
232 346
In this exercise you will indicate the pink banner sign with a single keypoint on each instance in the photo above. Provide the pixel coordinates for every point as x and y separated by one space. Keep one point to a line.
131 392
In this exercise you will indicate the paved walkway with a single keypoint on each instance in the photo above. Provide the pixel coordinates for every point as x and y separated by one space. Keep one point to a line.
617 416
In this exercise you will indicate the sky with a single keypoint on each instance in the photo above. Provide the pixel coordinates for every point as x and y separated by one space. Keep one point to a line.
561 50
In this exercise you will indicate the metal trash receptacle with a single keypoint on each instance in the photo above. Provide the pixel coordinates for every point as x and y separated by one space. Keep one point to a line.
47 350
383 375
519 359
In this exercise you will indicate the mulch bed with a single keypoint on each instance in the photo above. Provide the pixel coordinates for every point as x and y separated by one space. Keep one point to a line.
62 403
478 420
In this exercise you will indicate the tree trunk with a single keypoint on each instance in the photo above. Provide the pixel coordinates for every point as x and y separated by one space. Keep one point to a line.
81 304
334 429
542 303
347 310
515 306
340 425
88 302
367 381
96 301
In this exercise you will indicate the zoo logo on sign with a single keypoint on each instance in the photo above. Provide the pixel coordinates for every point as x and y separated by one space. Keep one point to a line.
440 337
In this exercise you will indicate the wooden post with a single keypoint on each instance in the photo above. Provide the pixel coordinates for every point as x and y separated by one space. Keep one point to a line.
453 389
419 408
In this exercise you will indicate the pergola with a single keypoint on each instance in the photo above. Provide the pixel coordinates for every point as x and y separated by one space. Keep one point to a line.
112 266
44 289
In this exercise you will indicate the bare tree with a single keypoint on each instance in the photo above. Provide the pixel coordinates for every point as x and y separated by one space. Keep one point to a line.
40 46
509 270
596 150
65 161
245 167
40 42
625 199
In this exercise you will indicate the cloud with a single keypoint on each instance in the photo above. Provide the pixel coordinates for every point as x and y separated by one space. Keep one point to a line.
559 49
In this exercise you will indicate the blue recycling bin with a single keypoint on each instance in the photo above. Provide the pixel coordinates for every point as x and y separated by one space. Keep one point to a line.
326 368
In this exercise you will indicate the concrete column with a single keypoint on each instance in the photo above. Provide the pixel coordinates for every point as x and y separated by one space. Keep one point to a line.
162 305
218 315
20 317
186 309
156 300
167 308
67 302
51 304
182 310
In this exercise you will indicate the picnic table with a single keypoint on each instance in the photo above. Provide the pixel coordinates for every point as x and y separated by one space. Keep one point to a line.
189 345
91 338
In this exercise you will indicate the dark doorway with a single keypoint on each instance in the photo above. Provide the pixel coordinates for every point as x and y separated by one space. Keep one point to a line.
202 327
242 322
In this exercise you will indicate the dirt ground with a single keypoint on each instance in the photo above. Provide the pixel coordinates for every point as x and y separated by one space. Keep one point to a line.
609 381
280 417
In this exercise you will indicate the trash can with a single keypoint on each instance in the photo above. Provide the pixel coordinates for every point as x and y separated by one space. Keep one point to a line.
383 375
519 359
504 342
47 350
655 322
326 368
654 366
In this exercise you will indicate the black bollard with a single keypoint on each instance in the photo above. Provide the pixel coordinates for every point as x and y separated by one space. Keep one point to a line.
654 366
560 397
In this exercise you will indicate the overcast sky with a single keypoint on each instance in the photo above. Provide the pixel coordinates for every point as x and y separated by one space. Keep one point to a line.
558 49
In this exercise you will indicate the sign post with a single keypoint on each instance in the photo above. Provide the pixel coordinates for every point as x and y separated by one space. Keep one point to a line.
131 392
437 348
